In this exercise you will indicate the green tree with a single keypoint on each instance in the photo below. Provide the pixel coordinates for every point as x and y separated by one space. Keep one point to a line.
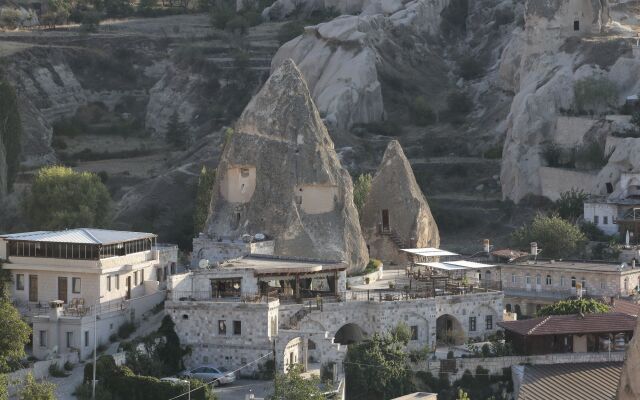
575 306
32 390
402 333
462 395
361 189
4 387
555 236
292 386
62 198
570 205
10 130
203 198
169 350
377 369
176 131
14 335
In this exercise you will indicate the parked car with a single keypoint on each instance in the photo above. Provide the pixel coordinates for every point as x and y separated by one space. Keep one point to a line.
208 373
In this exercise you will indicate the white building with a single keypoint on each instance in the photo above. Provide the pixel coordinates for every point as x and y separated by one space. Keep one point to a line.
619 211
64 280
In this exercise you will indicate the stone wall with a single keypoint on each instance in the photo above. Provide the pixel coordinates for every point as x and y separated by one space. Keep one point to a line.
39 369
205 248
361 279
554 181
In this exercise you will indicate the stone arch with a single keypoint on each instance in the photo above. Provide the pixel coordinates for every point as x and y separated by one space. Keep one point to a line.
424 328
349 333
449 330
311 325
293 353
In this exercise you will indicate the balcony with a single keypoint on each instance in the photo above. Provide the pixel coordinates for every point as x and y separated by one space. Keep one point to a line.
75 309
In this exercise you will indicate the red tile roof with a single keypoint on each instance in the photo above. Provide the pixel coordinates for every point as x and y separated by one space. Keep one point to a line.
570 324
626 307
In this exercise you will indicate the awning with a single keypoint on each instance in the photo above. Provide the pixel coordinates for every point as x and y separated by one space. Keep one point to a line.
430 252
444 266
469 264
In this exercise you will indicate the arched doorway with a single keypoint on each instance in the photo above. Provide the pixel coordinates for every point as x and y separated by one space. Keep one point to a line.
349 334
449 330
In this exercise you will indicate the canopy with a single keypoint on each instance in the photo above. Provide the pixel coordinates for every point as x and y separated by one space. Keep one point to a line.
430 252
469 264
455 265
444 266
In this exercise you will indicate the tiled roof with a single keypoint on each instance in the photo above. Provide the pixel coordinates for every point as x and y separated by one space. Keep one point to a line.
569 324
79 236
584 381
626 307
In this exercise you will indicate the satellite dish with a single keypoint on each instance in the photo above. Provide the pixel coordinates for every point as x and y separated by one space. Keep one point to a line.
259 237
204 263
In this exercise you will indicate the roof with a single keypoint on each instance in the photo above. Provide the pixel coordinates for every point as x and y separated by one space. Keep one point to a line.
455 265
430 252
509 254
572 324
444 266
263 265
601 266
584 381
418 396
626 307
79 236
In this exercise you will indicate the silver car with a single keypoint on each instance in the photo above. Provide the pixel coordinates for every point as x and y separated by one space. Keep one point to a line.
208 373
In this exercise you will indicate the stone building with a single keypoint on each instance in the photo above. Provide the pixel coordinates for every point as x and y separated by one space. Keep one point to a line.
396 214
279 176
567 17
241 310
528 286
62 280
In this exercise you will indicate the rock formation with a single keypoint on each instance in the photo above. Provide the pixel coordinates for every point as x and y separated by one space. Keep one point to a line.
629 388
396 214
3 170
279 175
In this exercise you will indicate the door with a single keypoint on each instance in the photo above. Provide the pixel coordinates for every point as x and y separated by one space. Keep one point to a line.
128 296
33 288
62 288
385 220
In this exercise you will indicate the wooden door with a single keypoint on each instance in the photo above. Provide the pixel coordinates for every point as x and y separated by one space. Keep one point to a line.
33 288
128 287
385 220
62 288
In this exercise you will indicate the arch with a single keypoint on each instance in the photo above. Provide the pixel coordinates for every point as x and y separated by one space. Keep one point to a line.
308 325
293 353
449 330
349 333
518 310
508 308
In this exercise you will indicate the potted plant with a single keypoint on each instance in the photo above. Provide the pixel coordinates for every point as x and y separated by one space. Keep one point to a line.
366 280
392 285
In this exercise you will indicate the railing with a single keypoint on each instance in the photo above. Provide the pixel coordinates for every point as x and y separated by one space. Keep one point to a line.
545 294
74 310
405 295
230 297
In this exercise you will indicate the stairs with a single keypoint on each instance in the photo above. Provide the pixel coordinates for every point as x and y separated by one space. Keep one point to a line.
294 321
395 238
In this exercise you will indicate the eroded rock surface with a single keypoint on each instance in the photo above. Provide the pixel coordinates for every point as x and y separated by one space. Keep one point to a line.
396 214
279 175
629 388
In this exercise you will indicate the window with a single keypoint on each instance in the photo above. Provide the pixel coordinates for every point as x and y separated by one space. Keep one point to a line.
414 332
527 279
576 25
19 281
508 308
173 268
513 278
159 274
595 219
117 279
86 338
237 327
584 283
573 281
472 324
603 285
562 280
489 322
141 276
538 279
43 338
69 339
108 283
548 282
222 327
75 285
135 278
605 220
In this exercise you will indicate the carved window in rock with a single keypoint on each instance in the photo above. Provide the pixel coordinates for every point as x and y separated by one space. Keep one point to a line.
238 184
576 25
316 199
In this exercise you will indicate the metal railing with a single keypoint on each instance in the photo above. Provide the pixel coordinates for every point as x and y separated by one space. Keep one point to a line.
178 295
405 295
74 309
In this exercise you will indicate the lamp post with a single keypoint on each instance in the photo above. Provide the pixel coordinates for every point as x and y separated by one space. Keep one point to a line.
95 346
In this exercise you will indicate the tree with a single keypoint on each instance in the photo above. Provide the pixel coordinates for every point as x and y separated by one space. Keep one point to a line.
176 131
361 190
32 390
10 131
575 306
462 395
169 351
61 198
402 333
421 113
570 205
4 387
14 335
203 198
555 236
292 386
376 369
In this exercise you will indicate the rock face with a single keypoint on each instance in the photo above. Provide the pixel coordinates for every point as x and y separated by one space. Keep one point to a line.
339 59
3 170
629 388
396 214
279 175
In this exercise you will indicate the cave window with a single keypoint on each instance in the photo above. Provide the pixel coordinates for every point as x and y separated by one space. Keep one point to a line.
576 25
609 187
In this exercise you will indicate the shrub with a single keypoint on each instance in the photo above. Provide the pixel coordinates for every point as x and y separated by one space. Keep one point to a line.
237 24
10 129
570 205
56 371
89 21
459 103
568 307
494 153
33 390
10 18
290 30
421 113
113 338
385 128
70 127
454 17
68 366
470 68
554 235
594 94
450 355
591 156
361 188
126 329
326 372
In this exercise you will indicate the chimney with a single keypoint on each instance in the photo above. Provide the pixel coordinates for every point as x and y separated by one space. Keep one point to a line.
534 249
633 263
486 246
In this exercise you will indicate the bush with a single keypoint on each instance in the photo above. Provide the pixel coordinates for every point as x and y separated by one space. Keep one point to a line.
385 128
290 30
494 153
568 307
591 156
361 188
10 18
557 237
126 329
33 390
470 68
570 205
450 355
68 366
459 103
594 94
113 337
56 371
421 113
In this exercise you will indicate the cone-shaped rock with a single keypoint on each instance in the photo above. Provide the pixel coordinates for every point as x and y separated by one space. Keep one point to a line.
280 175
630 380
396 214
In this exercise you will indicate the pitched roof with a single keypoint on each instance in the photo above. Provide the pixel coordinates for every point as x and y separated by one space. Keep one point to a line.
569 324
79 236
626 307
585 381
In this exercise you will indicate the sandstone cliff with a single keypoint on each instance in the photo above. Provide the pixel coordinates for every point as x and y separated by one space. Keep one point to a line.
396 214
629 388
279 175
